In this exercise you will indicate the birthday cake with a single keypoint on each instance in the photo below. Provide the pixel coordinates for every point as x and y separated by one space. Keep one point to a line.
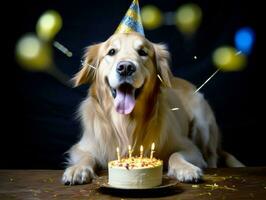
135 173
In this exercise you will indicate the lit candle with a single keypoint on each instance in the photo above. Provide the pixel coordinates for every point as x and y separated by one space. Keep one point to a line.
141 151
152 150
118 154
129 151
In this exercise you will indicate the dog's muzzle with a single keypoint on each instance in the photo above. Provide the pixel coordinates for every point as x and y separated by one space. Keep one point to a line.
124 93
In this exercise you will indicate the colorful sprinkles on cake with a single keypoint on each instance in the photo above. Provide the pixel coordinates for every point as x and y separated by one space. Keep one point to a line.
135 163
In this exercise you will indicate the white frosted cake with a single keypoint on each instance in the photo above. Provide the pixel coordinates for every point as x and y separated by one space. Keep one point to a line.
135 173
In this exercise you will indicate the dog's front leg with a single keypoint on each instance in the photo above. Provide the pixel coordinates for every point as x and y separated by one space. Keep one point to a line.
186 165
81 169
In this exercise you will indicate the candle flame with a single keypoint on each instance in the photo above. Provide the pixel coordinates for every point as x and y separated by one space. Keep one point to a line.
117 149
152 146
129 151
141 151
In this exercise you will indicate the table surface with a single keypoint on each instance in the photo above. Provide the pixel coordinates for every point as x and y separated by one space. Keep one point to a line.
221 183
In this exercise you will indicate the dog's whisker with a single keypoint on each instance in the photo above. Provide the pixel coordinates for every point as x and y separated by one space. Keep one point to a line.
174 109
206 81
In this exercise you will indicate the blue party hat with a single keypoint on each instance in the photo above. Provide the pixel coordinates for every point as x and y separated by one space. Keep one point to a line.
131 21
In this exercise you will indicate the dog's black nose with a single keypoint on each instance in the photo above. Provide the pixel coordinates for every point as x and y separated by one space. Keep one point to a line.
125 68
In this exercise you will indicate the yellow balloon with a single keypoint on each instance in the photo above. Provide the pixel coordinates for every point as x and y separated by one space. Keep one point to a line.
227 58
33 54
188 18
151 17
48 25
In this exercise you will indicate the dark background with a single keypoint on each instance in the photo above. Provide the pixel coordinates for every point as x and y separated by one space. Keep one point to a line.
39 112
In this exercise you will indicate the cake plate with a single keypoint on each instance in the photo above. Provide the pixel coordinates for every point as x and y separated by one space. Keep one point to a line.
166 182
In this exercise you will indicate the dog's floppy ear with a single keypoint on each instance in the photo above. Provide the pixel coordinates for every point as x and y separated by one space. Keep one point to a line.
162 58
89 66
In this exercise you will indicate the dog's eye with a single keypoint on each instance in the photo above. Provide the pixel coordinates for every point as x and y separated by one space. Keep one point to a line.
141 52
111 52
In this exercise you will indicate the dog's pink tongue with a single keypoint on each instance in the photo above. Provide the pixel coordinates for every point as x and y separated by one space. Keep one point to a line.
124 102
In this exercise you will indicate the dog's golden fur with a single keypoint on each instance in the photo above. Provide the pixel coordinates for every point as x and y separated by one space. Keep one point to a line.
186 139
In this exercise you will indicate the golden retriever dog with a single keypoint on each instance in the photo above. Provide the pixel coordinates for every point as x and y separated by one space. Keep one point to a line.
134 99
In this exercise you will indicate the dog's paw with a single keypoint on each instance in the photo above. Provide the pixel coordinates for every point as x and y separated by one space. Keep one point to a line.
78 174
185 172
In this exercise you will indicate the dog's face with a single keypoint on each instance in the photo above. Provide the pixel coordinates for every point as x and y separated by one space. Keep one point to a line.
127 66
127 63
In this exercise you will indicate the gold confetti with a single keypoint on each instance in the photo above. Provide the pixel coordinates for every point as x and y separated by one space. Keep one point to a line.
62 48
206 193
251 195
174 109
206 81
92 66
51 180
215 186
158 75
229 188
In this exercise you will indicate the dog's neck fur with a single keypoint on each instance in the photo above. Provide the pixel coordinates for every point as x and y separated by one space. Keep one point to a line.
136 128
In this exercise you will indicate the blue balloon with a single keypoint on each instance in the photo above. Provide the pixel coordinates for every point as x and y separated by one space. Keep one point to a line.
244 39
